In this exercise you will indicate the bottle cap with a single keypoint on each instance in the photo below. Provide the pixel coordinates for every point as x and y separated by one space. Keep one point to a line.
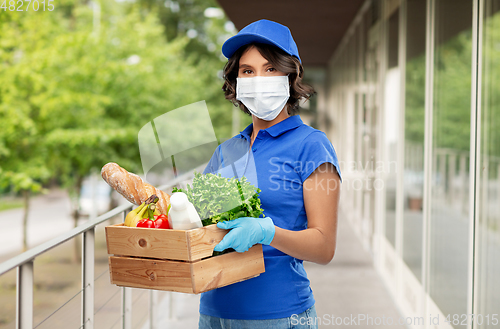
179 200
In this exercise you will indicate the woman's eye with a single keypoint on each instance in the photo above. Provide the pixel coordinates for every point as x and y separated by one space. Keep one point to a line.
271 69
247 72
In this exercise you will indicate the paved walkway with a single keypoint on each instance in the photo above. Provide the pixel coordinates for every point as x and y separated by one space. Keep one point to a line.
347 287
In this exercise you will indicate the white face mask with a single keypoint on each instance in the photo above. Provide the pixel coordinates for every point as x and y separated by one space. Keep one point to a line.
264 97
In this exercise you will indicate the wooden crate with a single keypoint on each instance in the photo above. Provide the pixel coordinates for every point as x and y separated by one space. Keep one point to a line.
176 260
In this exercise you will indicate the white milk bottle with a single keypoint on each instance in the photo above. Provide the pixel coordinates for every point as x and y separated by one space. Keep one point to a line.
182 214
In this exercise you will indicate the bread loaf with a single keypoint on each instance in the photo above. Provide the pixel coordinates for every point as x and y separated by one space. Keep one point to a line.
132 187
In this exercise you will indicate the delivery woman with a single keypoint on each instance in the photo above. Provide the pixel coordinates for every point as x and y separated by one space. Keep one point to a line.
297 171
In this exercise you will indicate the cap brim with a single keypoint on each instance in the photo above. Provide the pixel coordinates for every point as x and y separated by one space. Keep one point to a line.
236 42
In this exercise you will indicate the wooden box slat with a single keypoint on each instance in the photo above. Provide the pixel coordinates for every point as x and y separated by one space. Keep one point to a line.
220 271
195 277
150 273
202 241
187 245
176 260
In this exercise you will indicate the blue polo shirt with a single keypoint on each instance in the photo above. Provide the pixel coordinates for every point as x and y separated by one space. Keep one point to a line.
281 159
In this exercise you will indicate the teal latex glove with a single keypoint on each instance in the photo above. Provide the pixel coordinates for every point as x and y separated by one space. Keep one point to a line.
245 232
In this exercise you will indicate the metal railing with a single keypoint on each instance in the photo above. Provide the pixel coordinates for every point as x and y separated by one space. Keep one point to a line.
25 275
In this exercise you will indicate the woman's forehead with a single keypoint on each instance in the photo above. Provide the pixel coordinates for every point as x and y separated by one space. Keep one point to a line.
252 57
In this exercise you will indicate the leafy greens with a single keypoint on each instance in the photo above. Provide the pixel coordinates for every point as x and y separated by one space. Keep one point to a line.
218 198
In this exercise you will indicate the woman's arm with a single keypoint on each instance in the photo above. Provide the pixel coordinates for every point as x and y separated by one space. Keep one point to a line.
321 197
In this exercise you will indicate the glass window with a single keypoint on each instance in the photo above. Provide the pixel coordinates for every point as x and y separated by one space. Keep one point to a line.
391 102
488 221
357 128
414 135
449 199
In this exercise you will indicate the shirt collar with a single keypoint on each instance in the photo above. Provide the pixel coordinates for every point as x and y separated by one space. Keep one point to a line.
281 127
247 132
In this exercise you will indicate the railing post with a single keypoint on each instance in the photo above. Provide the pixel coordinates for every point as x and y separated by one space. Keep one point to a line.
126 297
153 309
88 279
24 309
126 308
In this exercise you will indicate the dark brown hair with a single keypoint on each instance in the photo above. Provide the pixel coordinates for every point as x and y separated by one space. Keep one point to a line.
282 62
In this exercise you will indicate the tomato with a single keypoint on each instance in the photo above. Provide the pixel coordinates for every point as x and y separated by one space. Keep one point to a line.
161 222
146 222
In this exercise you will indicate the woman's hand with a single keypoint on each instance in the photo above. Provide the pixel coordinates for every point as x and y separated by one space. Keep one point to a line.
317 243
245 232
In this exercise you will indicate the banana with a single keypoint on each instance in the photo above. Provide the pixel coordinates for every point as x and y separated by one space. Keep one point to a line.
157 212
145 210
152 209
140 215
133 213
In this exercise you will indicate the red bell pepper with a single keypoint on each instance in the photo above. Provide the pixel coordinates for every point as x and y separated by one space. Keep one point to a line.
146 222
161 221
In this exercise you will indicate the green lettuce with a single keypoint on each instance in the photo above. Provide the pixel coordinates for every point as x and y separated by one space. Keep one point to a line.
218 198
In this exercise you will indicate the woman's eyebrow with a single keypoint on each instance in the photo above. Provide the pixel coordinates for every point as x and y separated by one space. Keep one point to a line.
250 66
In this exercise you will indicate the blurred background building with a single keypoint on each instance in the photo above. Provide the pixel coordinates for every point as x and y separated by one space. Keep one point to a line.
408 95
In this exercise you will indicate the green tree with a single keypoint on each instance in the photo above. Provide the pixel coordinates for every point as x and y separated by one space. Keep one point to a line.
74 94
22 155
452 86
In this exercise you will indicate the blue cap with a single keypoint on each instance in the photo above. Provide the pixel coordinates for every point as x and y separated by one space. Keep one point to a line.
262 31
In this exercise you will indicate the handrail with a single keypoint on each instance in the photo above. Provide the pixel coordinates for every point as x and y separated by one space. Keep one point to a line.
40 249
25 275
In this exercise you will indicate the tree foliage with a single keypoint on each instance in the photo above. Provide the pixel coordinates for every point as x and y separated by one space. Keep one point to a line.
490 97
452 90
74 91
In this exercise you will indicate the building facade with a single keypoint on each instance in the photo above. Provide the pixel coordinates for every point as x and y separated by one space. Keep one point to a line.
410 102
409 94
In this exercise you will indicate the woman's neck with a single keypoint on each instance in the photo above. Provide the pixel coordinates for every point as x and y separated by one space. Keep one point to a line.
259 124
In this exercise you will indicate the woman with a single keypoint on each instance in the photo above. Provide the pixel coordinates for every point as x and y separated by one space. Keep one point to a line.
298 174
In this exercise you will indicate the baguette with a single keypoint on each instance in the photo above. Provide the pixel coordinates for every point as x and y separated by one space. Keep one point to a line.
132 187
